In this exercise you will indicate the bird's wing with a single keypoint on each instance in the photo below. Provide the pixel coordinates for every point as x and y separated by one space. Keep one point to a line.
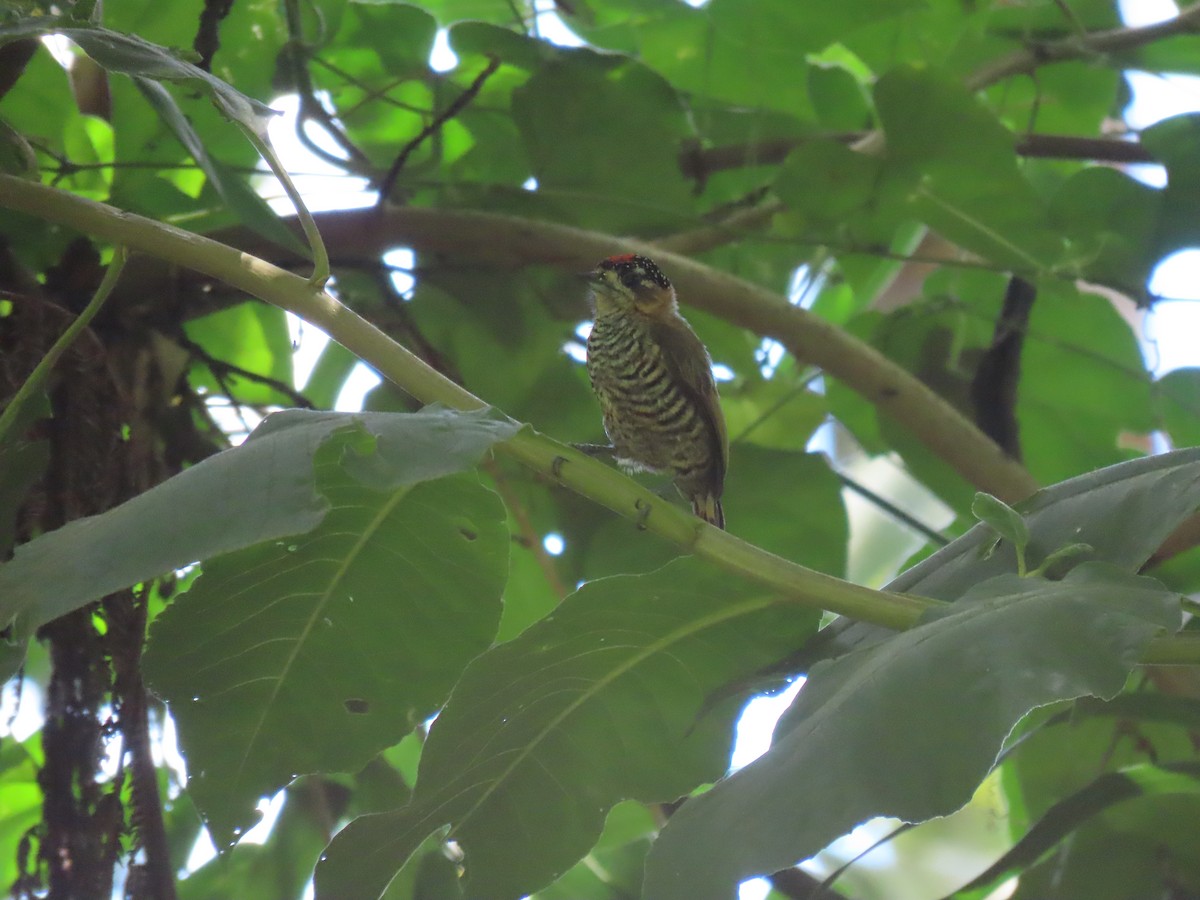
687 359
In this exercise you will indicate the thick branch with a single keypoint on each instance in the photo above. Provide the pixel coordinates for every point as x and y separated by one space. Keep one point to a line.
510 241
574 470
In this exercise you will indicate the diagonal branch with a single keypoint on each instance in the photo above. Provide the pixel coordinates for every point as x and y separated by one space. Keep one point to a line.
513 242
461 102
510 241
574 470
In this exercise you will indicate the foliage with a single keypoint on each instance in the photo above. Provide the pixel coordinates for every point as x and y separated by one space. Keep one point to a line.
359 609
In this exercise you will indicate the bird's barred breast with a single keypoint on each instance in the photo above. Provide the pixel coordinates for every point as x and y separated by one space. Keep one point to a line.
649 419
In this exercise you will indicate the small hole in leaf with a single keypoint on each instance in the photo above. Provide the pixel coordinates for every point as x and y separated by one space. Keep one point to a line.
357 706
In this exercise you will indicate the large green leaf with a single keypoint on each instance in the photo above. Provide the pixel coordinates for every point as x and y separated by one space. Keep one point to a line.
260 491
1012 643
1175 142
1082 389
1123 512
961 168
1110 221
315 652
604 135
603 700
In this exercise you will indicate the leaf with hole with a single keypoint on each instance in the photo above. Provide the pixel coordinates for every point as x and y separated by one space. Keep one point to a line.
608 698
314 652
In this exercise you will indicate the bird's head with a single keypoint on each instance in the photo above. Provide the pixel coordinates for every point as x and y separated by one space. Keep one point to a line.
631 283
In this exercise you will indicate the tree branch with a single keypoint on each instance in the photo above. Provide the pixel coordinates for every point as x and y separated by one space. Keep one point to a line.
590 478
361 236
510 241
698 164
574 470
1040 53
461 102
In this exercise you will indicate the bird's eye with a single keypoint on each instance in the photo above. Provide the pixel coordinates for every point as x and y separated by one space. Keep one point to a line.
632 278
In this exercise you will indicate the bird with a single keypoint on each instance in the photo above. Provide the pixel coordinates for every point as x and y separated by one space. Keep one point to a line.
653 378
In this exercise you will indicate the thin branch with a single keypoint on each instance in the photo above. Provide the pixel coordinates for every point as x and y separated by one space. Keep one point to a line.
934 537
489 239
552 459
461 102
221 368
513 241
295 56
1095 43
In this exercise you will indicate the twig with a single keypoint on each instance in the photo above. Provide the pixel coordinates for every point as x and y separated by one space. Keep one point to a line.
208 32
295 54
220 367
460 103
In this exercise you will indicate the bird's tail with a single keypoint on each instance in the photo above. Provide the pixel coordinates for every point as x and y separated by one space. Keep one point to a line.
708 508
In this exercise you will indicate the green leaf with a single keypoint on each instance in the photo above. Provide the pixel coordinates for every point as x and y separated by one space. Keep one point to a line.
252 336
788 503
838 98
1005 521
20 795
1110 220
131 55
1124 513
603 134
353 625
1068 815
260 491
830 183
605 699
1135 849
1081 388
962 169
1013 644
1178 402
1175 142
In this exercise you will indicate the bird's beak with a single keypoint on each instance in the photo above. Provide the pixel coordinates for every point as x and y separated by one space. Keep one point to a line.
592 277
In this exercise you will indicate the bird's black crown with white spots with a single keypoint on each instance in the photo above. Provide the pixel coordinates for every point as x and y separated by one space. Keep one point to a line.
634 270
